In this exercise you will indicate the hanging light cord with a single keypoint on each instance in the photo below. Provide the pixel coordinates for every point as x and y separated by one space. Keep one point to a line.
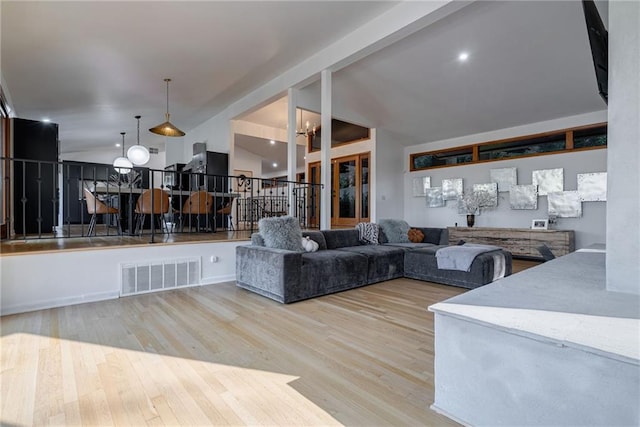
167 80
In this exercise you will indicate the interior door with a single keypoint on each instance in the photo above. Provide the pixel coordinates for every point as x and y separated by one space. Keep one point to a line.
345 185
349 190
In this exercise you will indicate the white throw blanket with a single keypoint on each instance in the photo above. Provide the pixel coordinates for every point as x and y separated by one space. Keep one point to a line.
461 257
499 266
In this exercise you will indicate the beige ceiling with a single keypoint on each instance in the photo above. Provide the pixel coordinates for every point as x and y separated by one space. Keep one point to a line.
91 66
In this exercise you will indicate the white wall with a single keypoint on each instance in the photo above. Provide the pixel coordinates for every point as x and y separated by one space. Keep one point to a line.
309 99
389 182
216 133
590 228
70 277
345 150
259 131
282 172
174 151
242 157
244 160
623 225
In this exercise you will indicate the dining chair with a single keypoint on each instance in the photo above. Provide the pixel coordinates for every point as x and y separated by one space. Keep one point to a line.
199 203
154 202
96 207
225 210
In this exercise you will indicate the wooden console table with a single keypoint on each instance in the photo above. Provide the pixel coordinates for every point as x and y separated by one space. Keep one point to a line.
521 242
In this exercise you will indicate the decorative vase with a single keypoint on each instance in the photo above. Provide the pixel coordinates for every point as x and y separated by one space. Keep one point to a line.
471 219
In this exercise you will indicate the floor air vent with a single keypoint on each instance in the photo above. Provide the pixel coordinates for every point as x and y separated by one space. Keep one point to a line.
155 276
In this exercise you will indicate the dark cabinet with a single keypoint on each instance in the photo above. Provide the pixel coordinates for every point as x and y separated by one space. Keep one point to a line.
217 181
211 163
174 178
35 176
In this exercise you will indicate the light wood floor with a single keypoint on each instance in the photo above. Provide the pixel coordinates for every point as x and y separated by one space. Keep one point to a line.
219 355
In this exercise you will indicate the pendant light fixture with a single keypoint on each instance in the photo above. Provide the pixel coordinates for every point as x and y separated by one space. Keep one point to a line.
166 128
138 154
306 131
121 164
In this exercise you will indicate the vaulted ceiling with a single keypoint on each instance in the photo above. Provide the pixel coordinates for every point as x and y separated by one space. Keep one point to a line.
92 66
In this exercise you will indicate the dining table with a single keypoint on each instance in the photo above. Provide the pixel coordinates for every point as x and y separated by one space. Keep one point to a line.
127 196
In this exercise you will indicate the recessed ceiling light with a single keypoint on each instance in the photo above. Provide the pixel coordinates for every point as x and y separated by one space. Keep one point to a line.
117 144
272 142
463 56
46 120
305 157
275 165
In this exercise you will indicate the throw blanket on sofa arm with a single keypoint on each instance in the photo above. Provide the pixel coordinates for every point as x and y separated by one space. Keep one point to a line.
461 257
499 266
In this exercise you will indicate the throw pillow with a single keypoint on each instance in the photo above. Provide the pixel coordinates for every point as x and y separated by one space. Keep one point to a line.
309 245
415 235
281 232
317 237
396 230
367 233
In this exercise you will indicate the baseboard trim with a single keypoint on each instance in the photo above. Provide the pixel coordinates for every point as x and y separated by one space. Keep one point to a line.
59 302
217 279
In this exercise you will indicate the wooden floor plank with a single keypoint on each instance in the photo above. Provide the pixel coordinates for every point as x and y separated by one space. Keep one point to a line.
221 355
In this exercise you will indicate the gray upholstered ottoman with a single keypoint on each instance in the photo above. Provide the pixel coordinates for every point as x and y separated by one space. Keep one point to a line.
422 264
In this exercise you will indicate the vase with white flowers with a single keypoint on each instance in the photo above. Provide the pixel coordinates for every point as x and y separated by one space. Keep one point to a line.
471 202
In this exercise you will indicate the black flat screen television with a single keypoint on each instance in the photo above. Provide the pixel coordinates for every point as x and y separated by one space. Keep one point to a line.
599 42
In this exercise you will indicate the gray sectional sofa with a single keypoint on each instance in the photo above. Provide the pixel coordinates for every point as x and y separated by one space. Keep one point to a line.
342 263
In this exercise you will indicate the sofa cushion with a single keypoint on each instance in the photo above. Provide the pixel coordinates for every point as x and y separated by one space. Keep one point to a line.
341 238
384 262
395 230
282 232
328 271
432 235
317 237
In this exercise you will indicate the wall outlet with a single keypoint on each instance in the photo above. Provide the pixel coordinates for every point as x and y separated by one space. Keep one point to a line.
213 258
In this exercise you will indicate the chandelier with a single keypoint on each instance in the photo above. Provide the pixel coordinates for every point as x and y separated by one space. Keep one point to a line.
307 131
